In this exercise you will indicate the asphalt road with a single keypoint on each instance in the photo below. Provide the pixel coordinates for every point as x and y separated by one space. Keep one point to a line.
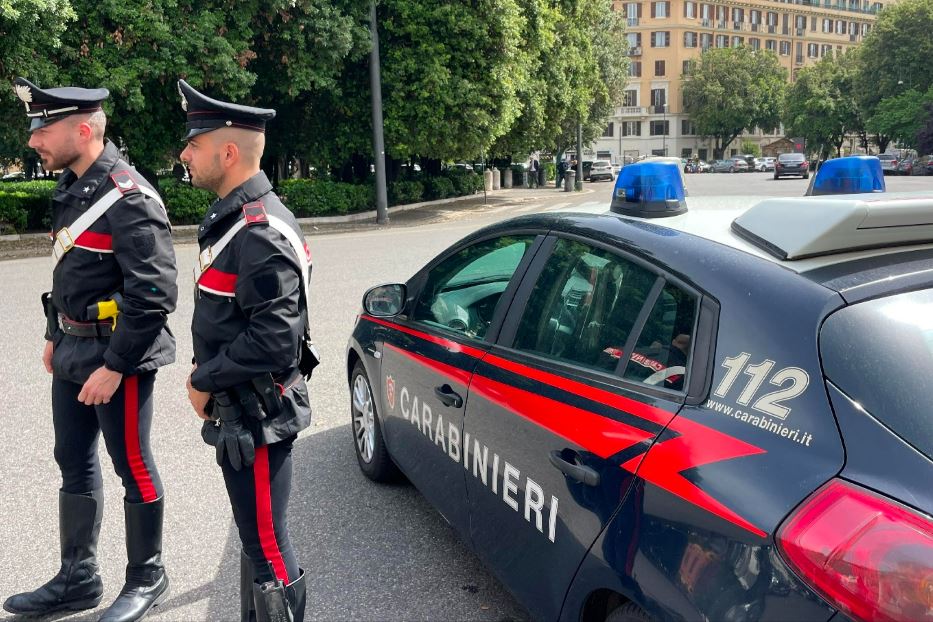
371 552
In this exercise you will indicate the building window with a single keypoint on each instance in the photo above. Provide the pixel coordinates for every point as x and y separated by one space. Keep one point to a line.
633 12
686 128
690 10
659 68
827 25
687 65
660 10
722 41
755 44
772 18
658 100
813 24
754 17
813 50
770 45
706 41
706 11
609 131
690 39
826 50
660 128
800 22
785 48
630 98
660 39
738 41
738 15
634 69
634 40
631 128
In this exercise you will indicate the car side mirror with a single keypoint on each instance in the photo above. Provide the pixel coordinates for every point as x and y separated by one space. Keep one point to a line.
385 300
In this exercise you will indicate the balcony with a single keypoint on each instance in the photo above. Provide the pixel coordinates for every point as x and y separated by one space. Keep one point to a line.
632 21
853 38
628 111
738 26
801 32
706 23
798 60
634 50
755 27
772 29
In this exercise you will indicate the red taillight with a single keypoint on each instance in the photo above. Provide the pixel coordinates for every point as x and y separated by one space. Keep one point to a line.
867 555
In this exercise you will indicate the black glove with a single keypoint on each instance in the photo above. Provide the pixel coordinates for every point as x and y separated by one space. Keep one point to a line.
233 438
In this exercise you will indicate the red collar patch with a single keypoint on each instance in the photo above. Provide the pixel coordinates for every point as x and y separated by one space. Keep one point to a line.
255 213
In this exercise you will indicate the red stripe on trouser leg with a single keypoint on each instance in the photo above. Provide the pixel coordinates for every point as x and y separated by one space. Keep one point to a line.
270 547
134 456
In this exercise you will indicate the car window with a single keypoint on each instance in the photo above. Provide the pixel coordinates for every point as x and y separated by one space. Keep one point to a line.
583 306
880 354
461 292
662 352
791 157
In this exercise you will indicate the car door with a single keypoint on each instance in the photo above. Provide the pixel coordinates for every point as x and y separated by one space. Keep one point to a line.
428 356
553 431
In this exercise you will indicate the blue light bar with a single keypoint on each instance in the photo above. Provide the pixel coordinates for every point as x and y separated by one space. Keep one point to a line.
649 190
850 175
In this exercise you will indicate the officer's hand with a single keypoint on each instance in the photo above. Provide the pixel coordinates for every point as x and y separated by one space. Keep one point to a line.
47 356
236 441
100 387
198 399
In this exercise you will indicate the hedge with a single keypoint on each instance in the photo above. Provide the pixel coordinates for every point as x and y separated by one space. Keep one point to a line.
26 205
186 204
310 197
13 215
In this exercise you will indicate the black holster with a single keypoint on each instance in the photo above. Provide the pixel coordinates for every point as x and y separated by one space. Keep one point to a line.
308 357
51 315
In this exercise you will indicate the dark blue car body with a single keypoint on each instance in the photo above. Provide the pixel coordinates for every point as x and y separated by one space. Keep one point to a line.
678 494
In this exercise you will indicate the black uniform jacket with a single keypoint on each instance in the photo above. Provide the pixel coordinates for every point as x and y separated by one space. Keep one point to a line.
141 268
253 320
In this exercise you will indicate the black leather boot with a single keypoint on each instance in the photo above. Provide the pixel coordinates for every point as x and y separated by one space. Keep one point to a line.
247 606
276 602
77 585
146 582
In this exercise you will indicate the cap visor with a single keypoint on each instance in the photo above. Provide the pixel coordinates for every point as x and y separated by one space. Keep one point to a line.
197 131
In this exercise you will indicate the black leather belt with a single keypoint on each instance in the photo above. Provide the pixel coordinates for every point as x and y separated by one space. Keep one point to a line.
84 329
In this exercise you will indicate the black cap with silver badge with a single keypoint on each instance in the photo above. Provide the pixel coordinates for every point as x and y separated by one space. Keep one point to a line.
206 114
45 106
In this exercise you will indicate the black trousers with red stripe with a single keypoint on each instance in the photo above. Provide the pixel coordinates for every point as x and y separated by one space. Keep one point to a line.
125 423
259 498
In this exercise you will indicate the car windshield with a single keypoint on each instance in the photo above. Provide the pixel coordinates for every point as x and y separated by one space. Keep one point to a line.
886 156
879 353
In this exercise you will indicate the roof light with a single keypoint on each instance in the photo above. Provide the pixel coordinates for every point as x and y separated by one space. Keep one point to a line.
649 190
850 175
812 226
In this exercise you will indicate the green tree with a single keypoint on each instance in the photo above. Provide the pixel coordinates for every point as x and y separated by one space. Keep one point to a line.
580 74
450 75
925 134
901 117
895 56
28 30
820 106
730 90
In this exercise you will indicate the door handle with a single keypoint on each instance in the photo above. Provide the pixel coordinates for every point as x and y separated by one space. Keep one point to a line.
448 396
582 474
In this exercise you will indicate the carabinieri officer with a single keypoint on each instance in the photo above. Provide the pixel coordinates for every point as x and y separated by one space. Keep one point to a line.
251 342
113 285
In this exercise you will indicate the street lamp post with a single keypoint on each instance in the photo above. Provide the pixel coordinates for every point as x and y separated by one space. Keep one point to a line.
379 153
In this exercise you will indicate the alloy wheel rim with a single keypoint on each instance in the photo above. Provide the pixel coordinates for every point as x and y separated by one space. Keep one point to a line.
363 419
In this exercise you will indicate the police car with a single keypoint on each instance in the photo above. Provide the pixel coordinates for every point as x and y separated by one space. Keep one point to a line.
664 414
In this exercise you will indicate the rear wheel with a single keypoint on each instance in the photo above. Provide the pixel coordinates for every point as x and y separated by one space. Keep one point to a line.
371 451
776 176
629 612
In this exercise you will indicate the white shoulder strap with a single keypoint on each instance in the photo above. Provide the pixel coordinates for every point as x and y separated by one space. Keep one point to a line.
207 256
299 247
66 238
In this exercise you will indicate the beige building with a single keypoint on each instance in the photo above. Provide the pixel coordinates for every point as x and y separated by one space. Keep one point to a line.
664 36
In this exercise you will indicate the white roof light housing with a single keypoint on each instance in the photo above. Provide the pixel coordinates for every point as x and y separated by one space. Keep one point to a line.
797 228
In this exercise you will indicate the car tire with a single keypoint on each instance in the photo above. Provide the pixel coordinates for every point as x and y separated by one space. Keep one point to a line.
629 612
731 169
371 451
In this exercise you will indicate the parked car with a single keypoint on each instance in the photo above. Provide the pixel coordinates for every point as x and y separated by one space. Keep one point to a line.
665 420
749 161
722 166
764 165
791 164
704 167
888 163
15 176
741 164
924 165
905 166
601 169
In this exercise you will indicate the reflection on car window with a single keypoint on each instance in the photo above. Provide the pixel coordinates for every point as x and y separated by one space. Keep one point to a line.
583 306
462 291
663 348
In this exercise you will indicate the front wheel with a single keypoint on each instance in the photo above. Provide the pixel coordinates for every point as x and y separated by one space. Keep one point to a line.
629 612
371 451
